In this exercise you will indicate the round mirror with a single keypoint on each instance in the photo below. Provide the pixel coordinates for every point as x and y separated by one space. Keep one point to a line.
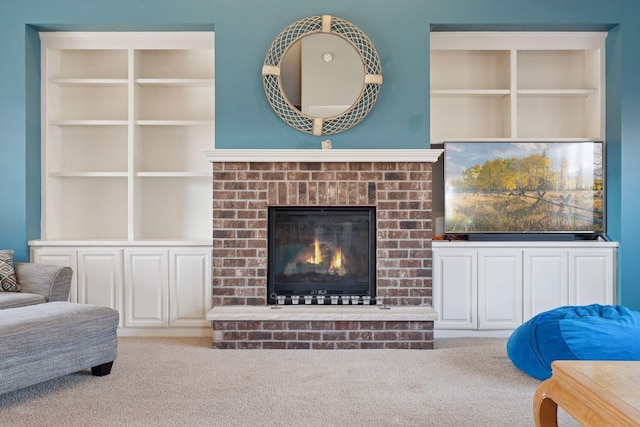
322 75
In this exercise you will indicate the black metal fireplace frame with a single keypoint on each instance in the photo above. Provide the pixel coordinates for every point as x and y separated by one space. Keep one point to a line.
302 289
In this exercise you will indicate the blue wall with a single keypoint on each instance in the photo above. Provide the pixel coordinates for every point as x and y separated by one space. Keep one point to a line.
244 31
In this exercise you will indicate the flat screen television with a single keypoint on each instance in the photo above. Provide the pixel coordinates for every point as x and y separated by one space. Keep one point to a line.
524 187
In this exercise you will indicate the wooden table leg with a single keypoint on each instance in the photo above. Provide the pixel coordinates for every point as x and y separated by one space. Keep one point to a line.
545 410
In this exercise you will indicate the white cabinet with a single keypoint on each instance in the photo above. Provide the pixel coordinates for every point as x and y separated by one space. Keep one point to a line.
157 290
556 277
477 289
167 288
498 285
517 85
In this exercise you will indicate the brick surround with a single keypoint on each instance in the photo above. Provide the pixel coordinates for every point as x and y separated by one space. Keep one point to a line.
242 194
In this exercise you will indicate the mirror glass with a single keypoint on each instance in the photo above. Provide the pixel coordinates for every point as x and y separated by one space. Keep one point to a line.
322 75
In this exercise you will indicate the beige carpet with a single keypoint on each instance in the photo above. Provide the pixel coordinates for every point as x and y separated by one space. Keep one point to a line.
183 382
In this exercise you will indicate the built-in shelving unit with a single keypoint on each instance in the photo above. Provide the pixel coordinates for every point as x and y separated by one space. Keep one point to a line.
125 119
517 85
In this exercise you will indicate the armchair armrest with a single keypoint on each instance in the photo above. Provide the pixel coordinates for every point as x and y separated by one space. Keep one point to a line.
53 282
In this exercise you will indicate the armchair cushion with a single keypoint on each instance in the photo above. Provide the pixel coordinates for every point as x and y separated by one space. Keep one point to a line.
8 281
19 299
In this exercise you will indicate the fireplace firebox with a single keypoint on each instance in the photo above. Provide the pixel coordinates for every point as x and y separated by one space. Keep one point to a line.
319 253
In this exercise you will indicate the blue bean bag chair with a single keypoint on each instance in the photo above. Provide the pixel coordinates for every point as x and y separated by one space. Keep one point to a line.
592 332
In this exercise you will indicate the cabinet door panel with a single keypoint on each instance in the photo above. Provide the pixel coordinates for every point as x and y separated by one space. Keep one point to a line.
455 289
146 279
545 281
100 278
591 276
190 287
499 289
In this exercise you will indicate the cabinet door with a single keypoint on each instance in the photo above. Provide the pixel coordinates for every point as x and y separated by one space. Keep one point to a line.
100 278
591 276
455 288
65 257
146 282
189 286
545 281
499 288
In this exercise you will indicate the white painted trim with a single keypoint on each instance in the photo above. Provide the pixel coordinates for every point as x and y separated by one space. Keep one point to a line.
348 155
523 244
520 40
127 39
165 332
450 333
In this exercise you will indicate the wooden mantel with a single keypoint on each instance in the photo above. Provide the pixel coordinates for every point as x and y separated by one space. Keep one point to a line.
314 155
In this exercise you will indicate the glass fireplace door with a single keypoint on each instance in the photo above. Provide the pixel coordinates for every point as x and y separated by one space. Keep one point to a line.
321 251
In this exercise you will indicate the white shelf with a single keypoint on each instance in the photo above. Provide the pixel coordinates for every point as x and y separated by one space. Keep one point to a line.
175 122
469 92
125 117
88 82
88 122
174 174
557 92
176 82
88 174
517 86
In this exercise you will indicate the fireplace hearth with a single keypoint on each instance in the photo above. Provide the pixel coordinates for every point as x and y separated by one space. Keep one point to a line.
317 253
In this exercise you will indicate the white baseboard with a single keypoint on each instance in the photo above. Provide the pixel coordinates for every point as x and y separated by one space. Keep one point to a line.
166 332
464 333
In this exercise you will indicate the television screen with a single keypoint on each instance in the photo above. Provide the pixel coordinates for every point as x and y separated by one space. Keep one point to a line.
524 187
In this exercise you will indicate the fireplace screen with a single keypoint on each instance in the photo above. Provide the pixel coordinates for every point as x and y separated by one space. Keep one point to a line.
316 253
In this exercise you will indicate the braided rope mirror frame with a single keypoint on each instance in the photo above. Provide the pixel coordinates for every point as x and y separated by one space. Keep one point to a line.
273 85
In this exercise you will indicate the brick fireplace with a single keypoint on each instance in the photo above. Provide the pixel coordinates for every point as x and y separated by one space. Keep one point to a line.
246 183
